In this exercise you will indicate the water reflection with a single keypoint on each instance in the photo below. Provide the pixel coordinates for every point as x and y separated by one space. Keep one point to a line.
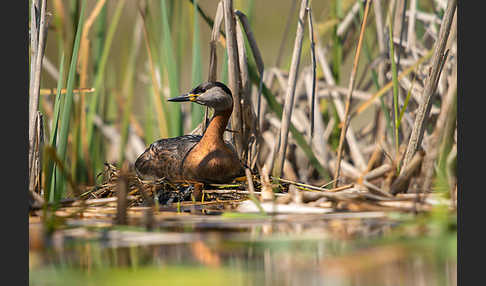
265 252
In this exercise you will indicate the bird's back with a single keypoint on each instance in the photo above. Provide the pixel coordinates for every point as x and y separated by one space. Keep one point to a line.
164 157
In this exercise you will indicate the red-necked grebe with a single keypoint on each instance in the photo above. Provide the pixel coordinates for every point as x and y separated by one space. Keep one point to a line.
205 159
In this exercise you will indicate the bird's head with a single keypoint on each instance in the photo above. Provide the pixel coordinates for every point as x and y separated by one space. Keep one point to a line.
213 94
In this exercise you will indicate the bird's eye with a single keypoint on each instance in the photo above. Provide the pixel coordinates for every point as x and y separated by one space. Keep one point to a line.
198 90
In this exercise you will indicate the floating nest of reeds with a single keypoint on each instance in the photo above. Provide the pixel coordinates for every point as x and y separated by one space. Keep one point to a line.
253 194
161 191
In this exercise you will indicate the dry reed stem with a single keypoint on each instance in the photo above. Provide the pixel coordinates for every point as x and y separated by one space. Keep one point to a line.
53 91
379 26
380 36
249 180
411 37
252 41
261 67
321 189
50 69
342 188
431 84
213 58
347 20
249 127
374 156
313 56
377 172
401 182
34 36
234 81
281 146
233 74
38 38
317 142
450 169
355 149
332 92
375 190
122 191
35 178
399 11
35 200
437 136
350 94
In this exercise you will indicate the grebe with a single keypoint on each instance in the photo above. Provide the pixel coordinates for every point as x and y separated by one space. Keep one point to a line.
204 159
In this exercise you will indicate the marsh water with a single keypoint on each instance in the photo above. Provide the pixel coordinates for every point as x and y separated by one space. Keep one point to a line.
236 249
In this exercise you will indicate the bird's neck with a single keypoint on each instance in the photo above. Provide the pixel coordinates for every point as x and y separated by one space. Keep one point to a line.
217 126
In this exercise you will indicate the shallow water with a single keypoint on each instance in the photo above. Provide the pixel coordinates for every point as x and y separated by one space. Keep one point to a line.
242 250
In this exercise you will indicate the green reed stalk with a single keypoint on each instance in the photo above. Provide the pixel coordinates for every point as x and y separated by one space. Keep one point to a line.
50 169
67 106
395 89
128 88
100 75
175 122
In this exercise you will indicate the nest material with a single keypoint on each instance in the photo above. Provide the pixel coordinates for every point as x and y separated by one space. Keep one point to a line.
161 190
354 198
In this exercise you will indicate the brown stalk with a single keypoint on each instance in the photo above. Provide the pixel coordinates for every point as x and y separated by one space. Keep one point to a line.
35 183
350 94
281 146
213 59
53 91
260 66
250 117
377 8
233 75
122 191
431 84
249 127
38 38
401 182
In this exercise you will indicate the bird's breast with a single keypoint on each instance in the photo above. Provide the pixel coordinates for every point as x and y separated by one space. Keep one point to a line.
211 163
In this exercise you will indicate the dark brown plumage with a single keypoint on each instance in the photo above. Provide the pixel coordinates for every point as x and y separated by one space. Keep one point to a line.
207 158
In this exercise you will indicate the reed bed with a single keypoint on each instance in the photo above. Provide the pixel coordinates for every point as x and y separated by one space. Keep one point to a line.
367 103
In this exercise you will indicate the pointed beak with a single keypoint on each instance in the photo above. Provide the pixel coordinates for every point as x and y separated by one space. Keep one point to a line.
185 97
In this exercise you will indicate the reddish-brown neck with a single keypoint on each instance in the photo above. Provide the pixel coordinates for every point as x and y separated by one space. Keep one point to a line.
217 126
